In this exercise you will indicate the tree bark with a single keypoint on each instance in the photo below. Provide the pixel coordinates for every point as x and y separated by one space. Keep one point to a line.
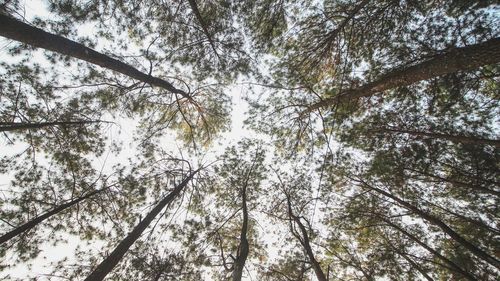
452 138
458 183
416 266
17 30
196 11
243 248
114 258
303 238
450 263
444 227
454 60
14 126
34 222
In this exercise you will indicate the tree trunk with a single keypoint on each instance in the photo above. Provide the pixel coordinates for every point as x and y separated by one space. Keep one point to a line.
14 126
34 222
452 138
243 248
112 260
454 60
450 263
304 241
458 183
16 30
196 11
416 266
445 228
307 246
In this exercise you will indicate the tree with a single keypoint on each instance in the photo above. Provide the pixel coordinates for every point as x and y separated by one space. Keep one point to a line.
19 31
34 222
454 60
378 120
121 249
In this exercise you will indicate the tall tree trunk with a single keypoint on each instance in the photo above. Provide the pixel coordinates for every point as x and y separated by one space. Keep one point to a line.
453 266
452 138
17 30
243 248
458 183
34 222
454 60
204 27
303 238
444 227
416 266
307 246
114 258
14 126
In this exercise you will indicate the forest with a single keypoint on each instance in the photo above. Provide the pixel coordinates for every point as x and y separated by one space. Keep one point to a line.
273 140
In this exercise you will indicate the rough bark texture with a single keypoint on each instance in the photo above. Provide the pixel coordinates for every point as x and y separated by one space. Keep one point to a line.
454 60
15 126
16 30
114 258
445 228
34 222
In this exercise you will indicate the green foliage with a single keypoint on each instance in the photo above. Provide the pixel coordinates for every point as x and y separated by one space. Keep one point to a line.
398 184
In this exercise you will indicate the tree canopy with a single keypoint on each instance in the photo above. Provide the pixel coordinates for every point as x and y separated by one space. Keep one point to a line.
250 140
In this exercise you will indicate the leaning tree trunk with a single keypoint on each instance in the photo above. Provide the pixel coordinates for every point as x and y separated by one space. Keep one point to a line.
452 138
444 227
307 246
450 264
454 60
457 183
114 258
204 27
17 30
34 222
413 264
303 238
15 126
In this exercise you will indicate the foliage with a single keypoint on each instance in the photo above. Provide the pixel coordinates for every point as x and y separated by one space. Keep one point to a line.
401 182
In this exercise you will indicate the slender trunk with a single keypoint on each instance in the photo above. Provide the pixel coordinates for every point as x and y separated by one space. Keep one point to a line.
196 11
459 183
303 238
452 138
17 30
457 59
307 246
445 228
14 126
34 222
416 266
112 260
450 263
243 249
